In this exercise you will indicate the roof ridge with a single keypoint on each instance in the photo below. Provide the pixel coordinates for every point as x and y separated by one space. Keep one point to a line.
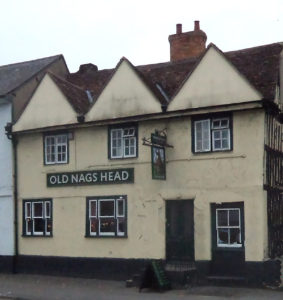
255 47
30 61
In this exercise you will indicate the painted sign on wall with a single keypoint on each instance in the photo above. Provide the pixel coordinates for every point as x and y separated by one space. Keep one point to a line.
112 176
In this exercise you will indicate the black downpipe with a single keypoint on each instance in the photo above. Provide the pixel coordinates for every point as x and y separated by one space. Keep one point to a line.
13 139
15 156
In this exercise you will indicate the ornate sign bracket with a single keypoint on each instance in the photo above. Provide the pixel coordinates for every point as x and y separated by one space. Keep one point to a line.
157 139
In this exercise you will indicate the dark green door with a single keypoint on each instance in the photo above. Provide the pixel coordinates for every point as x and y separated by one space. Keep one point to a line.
180 230
228 239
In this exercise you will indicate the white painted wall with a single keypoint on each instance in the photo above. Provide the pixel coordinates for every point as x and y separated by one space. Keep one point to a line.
6 185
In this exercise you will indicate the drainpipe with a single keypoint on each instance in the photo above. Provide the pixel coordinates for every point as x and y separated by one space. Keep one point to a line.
13 138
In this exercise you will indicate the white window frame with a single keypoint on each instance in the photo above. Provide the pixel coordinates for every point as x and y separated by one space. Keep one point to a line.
29 215
203 149
127 133
100 218
212 129
90 216
228 227
56 138
116 216
220 129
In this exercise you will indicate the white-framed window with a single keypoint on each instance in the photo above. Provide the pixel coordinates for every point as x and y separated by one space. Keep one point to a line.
106 216
228 227
37 217
220 134
56 149
212 134
123 142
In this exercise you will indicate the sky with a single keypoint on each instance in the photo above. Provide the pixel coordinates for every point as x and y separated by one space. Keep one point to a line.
103 31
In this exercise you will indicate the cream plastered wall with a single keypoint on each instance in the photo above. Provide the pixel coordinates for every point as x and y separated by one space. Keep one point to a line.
214 82
206 178
125 95
47 107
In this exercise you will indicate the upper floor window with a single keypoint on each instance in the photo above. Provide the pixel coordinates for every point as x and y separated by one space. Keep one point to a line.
37 217
56 149
212 134
123 142
106 216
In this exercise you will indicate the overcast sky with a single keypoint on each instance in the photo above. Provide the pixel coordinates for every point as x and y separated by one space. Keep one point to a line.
102 31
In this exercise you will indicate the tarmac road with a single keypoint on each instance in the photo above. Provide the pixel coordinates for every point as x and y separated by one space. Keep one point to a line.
36 287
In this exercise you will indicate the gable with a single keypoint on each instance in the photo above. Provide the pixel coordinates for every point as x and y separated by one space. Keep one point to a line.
47 107
125 95
215 81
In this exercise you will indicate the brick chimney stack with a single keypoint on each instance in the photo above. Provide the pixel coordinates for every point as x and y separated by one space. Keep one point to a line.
187 44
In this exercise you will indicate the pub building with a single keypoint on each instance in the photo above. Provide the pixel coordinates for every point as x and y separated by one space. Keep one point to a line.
179 162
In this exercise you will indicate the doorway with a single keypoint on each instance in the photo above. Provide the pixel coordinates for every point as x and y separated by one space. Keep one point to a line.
180 230
228 239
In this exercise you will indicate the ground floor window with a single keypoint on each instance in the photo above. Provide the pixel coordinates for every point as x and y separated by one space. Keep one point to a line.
106 216
228 227
37 217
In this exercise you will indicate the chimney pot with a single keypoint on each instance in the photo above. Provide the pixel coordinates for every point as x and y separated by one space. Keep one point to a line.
179 28
197 25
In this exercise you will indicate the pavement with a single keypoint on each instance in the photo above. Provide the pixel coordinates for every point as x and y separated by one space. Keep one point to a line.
37 287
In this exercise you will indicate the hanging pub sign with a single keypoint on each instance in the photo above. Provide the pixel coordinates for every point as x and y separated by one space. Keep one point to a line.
158 164
158 142
112 176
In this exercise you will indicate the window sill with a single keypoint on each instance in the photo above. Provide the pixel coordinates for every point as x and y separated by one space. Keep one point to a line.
122 158
37 236
106 236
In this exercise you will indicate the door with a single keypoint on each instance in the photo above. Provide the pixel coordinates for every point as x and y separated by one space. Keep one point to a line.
228 240
180 230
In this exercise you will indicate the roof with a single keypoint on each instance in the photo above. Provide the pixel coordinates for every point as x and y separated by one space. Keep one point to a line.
77 97
260 65
14 75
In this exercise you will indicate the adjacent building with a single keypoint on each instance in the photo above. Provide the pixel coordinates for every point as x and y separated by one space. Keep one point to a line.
17 84
178 161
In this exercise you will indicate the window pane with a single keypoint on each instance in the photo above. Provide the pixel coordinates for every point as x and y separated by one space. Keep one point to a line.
28 210
28 225
38 225
107 225
222 236
92 209
215 123
216 134
107 208
225 133
38 209
121 226
47 209
224 123
225 144
93 225
234 217
120 208
222 217
48 225
217 144
235 236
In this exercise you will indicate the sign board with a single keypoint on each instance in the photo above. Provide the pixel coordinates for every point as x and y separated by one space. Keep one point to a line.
157 139
158 163
112 176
